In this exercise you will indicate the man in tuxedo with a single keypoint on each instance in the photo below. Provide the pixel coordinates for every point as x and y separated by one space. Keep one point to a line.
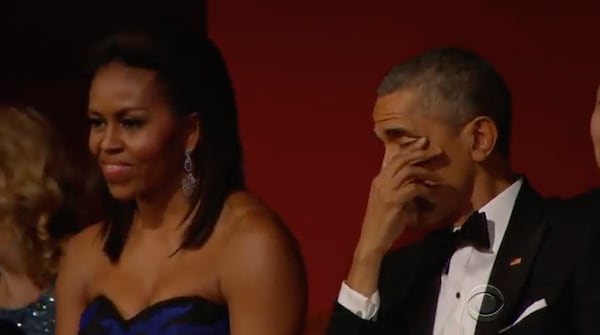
499 259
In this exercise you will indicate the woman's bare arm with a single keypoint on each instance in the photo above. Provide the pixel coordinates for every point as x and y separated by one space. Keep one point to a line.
263 278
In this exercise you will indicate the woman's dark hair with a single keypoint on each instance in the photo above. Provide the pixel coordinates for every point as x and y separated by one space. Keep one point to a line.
194 77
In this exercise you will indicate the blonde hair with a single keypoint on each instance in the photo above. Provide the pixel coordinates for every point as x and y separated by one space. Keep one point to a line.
34 188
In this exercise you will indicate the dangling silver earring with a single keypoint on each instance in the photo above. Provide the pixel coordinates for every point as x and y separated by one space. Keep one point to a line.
189 182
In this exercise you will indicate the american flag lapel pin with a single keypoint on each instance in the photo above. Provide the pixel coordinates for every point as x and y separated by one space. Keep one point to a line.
516 261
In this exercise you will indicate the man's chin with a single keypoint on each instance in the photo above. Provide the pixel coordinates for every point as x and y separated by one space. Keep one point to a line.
428 221
423 225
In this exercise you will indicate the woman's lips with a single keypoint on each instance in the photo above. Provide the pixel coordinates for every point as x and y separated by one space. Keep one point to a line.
116 172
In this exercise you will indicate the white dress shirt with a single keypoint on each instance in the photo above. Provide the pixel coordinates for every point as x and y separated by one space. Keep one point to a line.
461 288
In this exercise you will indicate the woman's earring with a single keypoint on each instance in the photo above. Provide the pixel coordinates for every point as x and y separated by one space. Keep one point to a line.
189 182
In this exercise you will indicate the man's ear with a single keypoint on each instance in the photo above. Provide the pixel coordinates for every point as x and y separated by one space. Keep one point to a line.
193 132
483 136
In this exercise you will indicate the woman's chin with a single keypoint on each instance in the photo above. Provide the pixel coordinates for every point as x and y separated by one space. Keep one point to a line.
121 193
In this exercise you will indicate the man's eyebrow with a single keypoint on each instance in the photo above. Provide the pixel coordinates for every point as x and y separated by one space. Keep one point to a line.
396 132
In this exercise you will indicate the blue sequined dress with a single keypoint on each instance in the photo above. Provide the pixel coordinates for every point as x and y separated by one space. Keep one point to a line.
187 315
36 318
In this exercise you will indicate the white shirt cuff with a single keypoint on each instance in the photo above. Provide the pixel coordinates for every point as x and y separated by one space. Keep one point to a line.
363 307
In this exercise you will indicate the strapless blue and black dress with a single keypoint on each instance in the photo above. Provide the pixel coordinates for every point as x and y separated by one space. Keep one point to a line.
174 316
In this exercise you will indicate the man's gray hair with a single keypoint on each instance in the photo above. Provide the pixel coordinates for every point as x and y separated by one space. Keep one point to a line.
459 78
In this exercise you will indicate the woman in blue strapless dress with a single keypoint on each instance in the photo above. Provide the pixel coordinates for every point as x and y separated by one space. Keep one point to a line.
182 247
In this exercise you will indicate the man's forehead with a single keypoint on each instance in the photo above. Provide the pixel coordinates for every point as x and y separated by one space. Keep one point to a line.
401 103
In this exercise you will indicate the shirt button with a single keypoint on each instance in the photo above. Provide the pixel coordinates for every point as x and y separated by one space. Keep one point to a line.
359 314
457 295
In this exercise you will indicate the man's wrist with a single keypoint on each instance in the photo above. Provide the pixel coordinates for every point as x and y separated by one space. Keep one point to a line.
364 274
369 254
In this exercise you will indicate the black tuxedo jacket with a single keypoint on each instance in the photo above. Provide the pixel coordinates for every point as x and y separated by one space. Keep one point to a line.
558 243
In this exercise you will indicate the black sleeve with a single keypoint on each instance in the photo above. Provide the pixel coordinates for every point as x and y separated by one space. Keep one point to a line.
344 322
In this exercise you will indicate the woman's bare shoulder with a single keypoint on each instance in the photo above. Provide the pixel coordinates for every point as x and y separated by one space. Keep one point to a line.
255 231
85 246
80 261
245 213
263 251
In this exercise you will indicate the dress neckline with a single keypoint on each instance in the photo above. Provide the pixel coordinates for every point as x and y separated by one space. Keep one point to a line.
155 306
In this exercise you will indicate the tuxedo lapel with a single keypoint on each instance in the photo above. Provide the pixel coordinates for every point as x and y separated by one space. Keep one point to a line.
424 302
411 291
513 262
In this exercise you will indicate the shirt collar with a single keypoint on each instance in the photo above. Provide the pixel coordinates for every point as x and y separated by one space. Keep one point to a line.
498 212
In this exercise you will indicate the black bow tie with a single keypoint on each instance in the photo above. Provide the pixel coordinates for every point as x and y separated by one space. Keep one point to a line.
474 232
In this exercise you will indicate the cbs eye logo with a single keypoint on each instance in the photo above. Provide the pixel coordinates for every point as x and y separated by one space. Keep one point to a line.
484 303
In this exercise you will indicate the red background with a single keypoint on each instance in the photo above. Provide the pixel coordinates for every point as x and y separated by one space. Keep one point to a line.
306 73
